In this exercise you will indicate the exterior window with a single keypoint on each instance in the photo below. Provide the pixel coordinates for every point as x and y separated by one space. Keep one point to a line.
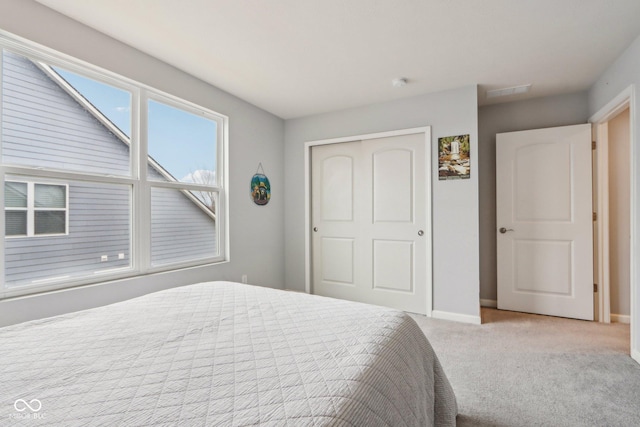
33 209
15 202
183 150
75 157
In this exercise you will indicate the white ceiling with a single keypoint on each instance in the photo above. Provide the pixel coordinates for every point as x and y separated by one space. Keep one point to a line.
300 57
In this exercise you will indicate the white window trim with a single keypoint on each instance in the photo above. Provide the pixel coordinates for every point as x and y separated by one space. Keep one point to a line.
141 187
31 209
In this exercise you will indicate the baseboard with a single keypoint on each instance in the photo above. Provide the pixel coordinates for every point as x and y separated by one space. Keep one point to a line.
456 317
490 303
621 318
635 354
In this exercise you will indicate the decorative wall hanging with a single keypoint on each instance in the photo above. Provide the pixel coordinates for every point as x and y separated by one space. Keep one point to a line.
454 159
260 187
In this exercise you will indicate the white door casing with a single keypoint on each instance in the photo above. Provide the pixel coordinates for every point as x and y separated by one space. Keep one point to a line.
369 222
544 221
625 99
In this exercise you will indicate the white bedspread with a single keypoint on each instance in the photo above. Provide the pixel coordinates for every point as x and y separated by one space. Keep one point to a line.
227 354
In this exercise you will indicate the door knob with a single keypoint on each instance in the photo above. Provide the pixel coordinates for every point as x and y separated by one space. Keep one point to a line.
420 232
504 230
315 229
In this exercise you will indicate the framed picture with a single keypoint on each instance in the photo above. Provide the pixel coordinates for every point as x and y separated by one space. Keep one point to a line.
454 161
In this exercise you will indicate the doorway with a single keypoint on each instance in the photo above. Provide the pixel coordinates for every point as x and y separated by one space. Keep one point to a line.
612 228
600 121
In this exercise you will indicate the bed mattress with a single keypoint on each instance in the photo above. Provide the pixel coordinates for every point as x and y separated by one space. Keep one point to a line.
227 354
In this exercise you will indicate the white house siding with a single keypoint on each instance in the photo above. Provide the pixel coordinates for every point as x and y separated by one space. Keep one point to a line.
42 125
99 218
178 230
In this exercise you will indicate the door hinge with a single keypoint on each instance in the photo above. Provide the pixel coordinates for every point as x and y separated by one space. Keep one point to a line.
595 287
595 216
593 145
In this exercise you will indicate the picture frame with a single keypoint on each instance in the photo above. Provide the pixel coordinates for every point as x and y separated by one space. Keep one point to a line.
454 157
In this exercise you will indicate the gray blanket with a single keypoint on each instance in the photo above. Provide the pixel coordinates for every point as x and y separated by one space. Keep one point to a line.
227 354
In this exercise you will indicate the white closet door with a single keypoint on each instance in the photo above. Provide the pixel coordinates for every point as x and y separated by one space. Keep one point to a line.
370 222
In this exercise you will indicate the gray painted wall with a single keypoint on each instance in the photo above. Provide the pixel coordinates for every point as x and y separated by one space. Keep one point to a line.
537 113
455 203
625 71
256 232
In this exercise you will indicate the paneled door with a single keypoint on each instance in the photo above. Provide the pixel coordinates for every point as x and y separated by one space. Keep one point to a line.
544 221
370 236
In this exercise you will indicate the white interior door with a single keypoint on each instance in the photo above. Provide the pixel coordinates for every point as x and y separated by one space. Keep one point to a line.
544 221
369 220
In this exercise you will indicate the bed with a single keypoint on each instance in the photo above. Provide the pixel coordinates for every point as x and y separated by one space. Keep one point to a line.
222 353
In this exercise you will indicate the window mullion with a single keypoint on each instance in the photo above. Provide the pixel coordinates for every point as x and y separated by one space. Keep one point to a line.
31 209
142 195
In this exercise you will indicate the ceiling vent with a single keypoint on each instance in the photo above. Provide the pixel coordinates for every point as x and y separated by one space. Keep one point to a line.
513 90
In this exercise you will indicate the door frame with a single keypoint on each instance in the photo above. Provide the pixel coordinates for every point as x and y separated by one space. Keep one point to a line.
599 122
428 264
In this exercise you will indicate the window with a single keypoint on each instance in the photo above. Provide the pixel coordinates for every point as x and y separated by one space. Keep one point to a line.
182 149
33 209
89 194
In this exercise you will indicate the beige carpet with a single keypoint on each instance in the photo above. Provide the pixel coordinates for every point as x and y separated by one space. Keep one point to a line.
526 370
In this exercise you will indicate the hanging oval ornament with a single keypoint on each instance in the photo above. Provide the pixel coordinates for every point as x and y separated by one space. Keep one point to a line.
260 187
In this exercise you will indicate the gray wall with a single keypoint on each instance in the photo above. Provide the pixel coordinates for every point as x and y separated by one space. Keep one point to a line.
455 203
256 233
509 117
625 71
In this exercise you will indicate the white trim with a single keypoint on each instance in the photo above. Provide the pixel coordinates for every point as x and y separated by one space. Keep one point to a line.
620 318
628 98
426 130
456 317
633 249
614 107
307 218
602 222
398 132
489 303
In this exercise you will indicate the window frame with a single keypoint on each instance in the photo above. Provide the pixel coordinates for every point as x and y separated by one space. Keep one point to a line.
31 209
163 98
141 186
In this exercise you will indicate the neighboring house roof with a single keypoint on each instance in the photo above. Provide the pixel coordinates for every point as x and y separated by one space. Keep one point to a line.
115 130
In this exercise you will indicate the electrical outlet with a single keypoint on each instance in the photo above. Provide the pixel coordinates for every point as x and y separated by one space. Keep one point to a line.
104 258
244 278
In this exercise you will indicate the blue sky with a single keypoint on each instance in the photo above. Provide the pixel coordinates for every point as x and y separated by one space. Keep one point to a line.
181 142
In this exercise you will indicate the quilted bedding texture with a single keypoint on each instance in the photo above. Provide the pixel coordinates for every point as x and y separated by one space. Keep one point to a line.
222 353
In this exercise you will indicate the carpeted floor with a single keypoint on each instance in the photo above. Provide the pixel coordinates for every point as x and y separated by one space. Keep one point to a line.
527 370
